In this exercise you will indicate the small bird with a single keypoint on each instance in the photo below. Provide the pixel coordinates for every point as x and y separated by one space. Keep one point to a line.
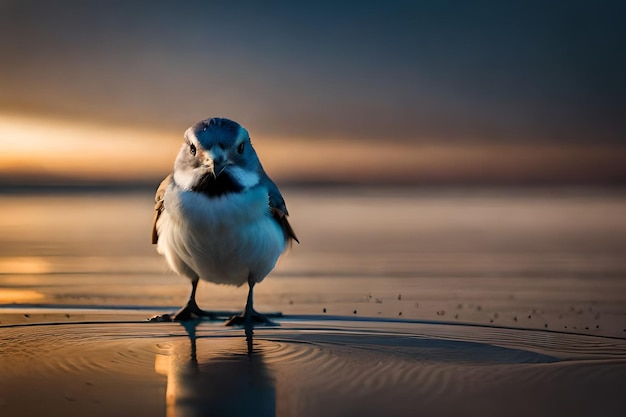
218 216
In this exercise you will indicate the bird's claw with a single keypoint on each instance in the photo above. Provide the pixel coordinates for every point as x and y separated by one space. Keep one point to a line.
249 319
190 312
161 318
187 314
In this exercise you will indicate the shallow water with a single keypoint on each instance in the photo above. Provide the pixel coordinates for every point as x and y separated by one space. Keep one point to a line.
307 366
446 302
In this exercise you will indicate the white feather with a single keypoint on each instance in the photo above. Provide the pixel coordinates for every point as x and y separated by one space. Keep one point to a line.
185 178
224 240
243 177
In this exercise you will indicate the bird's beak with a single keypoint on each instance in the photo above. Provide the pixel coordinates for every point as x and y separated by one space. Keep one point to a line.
215 161
218 168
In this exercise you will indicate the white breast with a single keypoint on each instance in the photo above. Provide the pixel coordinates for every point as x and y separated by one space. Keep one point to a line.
223 239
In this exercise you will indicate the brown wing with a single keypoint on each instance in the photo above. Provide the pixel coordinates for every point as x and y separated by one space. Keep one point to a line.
158 206
281 218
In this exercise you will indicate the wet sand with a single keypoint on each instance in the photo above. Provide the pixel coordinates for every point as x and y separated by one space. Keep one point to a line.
308 366
449 304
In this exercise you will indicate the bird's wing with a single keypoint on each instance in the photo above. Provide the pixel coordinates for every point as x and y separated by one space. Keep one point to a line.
281 218
158 206
278 208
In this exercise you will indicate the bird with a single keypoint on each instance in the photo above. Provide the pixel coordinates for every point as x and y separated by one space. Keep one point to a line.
219 217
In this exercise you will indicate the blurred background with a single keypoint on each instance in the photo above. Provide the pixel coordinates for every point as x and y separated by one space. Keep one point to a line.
432 92
463 159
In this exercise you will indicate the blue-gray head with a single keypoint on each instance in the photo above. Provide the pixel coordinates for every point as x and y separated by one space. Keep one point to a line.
217 155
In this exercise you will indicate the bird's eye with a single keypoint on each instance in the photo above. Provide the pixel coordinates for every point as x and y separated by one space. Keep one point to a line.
240 148
192 149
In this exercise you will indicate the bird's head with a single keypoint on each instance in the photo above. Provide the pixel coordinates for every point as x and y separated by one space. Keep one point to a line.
217 157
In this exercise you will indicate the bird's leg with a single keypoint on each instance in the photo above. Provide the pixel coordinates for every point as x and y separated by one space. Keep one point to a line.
190 311
249 311
250 316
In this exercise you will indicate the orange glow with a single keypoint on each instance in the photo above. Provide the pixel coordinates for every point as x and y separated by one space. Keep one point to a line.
19 296
41 148
47 146
24 265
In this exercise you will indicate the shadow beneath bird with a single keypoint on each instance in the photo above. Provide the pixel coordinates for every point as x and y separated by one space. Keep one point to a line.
227 376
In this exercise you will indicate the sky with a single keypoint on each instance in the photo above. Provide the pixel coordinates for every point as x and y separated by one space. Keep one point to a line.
409 91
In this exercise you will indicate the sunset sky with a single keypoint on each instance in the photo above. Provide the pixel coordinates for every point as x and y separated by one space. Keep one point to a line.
402 91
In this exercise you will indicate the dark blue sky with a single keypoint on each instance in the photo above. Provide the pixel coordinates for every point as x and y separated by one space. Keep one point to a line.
445 71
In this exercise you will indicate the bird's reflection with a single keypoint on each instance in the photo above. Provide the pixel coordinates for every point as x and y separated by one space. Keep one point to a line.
226 378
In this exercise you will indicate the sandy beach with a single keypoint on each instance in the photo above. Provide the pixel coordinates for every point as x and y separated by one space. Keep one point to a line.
463 304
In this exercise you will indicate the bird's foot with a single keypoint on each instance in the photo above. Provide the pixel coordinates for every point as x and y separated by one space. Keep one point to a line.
161 318
193 312
190 312
252 318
